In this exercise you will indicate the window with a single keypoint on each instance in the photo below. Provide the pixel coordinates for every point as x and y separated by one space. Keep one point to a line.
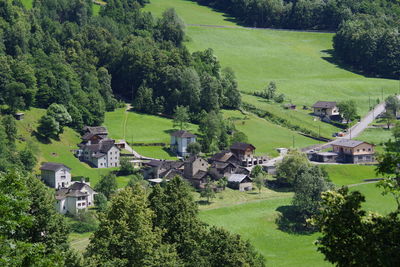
64 208
358 150
369 149
79 204
363 149
116 157
101 164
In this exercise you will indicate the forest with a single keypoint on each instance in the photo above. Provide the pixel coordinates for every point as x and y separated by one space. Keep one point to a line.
367 36
58 52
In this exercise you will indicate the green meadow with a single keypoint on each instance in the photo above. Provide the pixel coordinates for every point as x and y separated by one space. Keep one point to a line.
299 62
266 136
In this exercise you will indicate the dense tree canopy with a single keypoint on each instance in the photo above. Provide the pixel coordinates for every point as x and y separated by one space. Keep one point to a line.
58 53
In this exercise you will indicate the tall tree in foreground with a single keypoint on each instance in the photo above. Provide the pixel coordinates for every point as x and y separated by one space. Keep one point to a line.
308 189
126 236
177 213
351 237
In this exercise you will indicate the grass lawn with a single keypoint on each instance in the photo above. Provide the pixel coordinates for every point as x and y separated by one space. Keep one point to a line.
299 62
256 222
190 12
266 136
139 128
96 9
299 117
79 241
376 136
155 151
346 174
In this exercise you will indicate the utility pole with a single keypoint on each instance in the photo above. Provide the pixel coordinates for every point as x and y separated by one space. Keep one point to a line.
369 101
382 93
293 141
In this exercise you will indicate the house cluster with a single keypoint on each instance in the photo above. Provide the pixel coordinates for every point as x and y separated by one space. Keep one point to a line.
346 151
71 196
232 164
97 149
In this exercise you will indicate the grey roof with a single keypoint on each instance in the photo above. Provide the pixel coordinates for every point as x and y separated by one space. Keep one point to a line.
348 143
88 136
96 129
242 146
101 148
183 134
200 175
237 178
222 165
325 104
73 191
53 166
223 156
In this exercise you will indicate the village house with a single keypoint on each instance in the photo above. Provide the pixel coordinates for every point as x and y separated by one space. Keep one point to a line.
245 153
196 171
241 182
326 108
98 150
219 170
162 169
79 196
347 151
180 140
55 175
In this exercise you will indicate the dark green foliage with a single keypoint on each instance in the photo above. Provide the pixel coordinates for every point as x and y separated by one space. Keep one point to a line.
28 159
293 165
196 244
181 117
351 237
231 250
308 189
100 201
26 212
48 127
85 221
194 148
208 191
348 110
107 185
126 167
126 236
10 128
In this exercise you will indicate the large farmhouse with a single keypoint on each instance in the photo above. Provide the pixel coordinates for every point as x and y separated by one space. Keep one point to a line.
180 140
347 151
98 150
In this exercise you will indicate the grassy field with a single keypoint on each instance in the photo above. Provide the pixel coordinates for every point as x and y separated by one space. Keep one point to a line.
139 128
58 150
350 174
266 136
299 62
299 117
376 136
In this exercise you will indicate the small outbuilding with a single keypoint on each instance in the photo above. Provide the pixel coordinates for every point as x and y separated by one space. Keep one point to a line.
242 182
19 116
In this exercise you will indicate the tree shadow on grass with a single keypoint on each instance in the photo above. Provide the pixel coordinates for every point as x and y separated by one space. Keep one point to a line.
40 138
203 203
170 153
291 221
331 58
